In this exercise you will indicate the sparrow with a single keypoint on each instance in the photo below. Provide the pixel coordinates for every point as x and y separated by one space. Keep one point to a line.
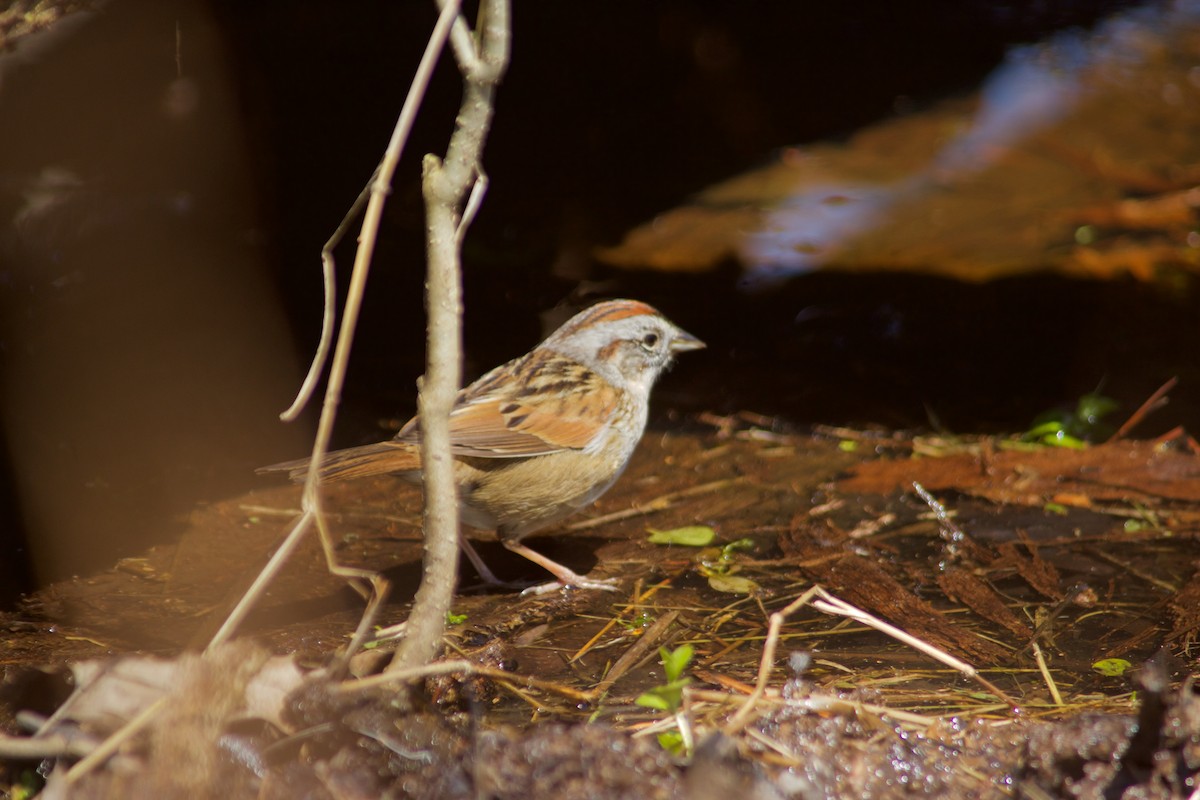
540 437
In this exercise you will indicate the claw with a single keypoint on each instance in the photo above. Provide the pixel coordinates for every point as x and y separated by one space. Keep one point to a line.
566 576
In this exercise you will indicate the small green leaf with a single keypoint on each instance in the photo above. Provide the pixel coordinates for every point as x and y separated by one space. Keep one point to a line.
1134 525
732 584
1055 508
1112 667
847 445
653 700
669 696
455 619
671 741
1063 439
689 536
676 661
1052 427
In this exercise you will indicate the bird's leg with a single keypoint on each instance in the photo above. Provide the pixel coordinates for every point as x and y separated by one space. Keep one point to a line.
485 572
566 577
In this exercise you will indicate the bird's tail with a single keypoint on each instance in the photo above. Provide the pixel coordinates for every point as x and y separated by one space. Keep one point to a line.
354 462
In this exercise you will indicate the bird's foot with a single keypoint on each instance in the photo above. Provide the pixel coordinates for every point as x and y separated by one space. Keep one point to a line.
567 578
573 581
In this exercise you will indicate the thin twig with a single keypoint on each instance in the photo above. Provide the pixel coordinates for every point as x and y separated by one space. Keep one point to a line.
939 511
830 604
834 605
767 662
56 745
823 704
329 307
266 575
1046 676
311 502
119 737
1153 403
637 601
1073 594
463 667
643 647
482 60
474 202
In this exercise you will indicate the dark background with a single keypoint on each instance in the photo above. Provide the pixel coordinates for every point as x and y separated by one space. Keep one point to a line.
611 114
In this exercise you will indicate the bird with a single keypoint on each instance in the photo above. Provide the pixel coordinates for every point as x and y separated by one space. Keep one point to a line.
538 438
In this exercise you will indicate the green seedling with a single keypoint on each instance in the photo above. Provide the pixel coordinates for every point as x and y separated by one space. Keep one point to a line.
669 696
721 569
1073 429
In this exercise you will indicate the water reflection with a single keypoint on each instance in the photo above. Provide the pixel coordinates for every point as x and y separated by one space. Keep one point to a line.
975 188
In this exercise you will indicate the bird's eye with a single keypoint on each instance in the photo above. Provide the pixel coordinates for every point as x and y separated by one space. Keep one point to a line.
649 340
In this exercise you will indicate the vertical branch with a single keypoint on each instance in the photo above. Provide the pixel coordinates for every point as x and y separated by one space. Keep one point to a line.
446 184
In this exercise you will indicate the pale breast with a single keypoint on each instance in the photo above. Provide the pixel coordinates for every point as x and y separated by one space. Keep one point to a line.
519 496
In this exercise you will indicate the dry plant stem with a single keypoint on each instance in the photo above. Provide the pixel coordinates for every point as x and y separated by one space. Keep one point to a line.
110 745
379 188
408 113
838 607
833 605
329 312
655 635
39 747
815 703
739 720
1155 401
1046 676
464 667
683 721
446 185
612 623
939 511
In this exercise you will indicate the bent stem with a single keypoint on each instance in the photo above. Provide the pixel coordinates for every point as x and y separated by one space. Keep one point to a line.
376 195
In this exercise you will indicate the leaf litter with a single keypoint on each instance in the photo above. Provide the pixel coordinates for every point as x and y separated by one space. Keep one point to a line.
538 696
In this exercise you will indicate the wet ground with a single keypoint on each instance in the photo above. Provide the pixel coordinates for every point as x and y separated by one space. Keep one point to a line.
1064 581
1052 566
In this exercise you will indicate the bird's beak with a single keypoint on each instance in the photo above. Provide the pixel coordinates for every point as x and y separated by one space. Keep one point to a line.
684 341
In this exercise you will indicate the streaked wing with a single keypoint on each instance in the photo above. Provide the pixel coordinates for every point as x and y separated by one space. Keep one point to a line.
539 404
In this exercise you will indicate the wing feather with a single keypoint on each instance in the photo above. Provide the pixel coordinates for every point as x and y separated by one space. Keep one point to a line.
537 405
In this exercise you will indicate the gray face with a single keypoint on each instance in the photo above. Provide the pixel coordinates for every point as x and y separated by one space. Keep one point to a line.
626 342
644 352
